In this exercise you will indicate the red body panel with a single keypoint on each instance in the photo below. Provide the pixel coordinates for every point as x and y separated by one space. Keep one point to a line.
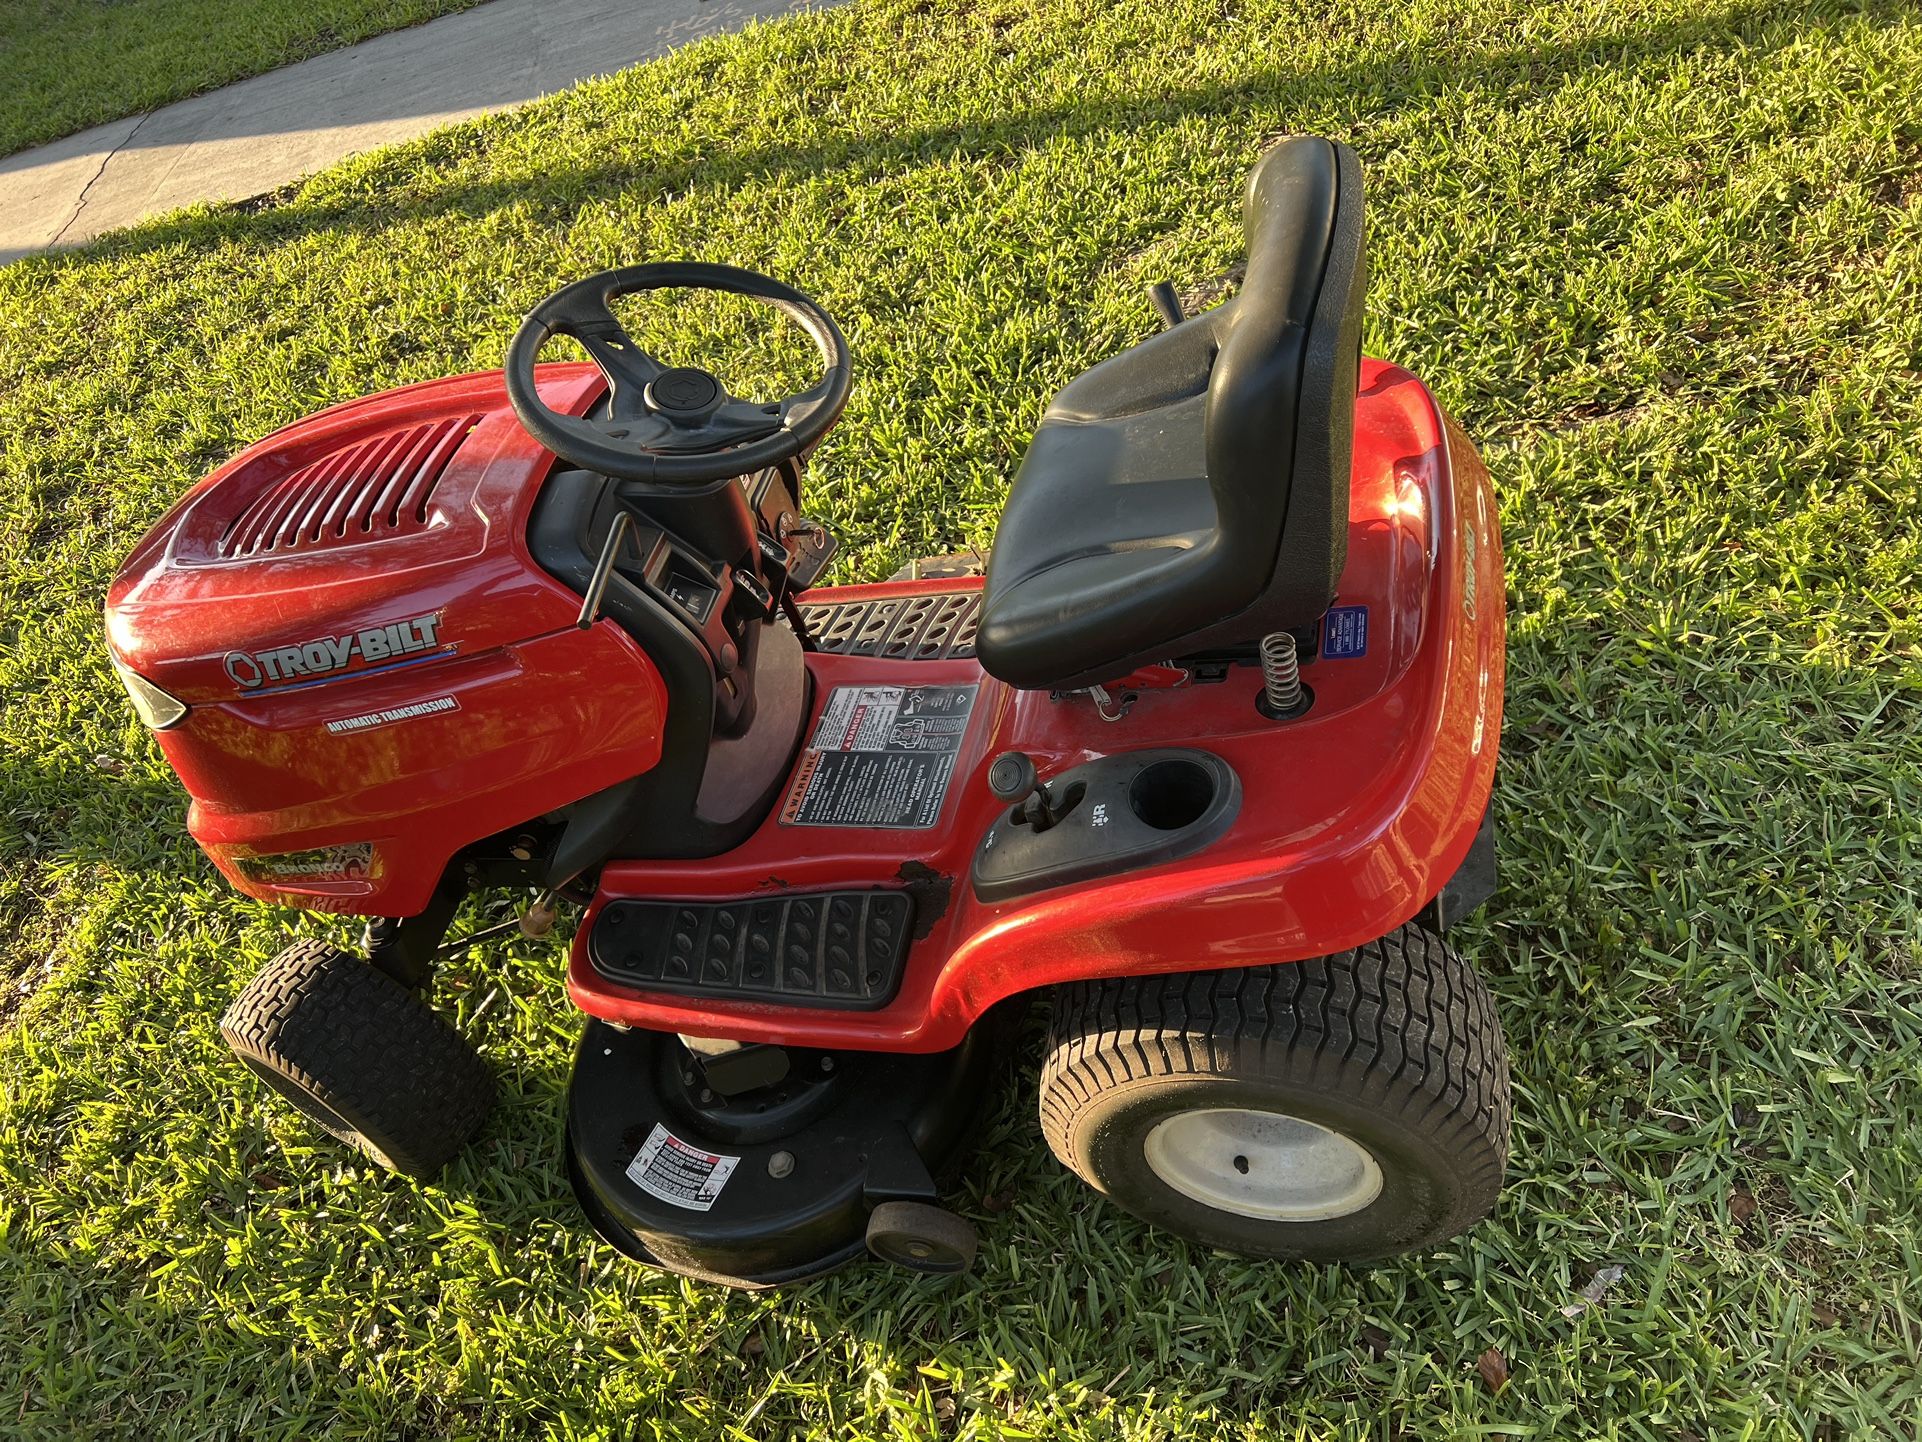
370 652
379 673
1352 818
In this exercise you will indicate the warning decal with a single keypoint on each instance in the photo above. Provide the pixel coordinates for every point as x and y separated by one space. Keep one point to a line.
685 1176
882 756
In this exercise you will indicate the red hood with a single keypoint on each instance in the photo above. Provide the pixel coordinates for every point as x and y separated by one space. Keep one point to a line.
388 529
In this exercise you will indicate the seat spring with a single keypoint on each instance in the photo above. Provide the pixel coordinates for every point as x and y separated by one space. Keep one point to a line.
1280 673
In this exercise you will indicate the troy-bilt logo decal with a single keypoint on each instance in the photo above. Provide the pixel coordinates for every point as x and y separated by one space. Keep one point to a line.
331 654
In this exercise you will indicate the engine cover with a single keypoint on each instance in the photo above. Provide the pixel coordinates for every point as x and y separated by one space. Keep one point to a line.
377 673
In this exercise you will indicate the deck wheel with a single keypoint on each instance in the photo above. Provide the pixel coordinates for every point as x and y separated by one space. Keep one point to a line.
1344 1108
921 1237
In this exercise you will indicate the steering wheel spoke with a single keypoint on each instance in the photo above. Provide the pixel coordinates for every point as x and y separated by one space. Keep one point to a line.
796 410
628 369
642 429
588 319
736 420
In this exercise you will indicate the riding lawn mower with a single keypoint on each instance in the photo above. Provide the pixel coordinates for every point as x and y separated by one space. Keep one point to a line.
1203 761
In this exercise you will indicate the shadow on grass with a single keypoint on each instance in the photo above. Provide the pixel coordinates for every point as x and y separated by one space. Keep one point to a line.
1386 84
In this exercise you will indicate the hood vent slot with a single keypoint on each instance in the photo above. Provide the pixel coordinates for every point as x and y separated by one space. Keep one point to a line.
375 488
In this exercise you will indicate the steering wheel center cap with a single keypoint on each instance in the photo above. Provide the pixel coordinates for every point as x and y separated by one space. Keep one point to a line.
684 393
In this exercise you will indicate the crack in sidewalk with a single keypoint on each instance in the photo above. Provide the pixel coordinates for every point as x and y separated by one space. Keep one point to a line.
87 189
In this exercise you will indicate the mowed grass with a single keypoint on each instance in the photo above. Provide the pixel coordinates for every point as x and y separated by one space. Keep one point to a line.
1664 260
69 64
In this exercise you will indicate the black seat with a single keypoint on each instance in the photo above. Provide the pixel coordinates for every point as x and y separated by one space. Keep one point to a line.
1192 493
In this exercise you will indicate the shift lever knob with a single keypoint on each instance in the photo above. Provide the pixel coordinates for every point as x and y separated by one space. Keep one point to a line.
1012 777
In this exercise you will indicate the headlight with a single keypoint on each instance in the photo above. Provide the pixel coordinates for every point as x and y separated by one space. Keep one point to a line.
155 708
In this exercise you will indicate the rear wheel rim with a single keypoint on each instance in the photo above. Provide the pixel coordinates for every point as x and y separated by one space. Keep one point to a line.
1264 1165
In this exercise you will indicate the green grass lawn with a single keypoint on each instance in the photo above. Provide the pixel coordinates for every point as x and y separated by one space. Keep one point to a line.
1664 260
69 64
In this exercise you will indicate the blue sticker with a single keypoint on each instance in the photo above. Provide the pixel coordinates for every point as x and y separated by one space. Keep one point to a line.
1345 633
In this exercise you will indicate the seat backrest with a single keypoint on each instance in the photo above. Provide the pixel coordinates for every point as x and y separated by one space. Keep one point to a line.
1281 393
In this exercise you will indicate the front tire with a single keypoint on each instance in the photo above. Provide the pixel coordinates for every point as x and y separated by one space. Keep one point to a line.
1344 1108
360 1056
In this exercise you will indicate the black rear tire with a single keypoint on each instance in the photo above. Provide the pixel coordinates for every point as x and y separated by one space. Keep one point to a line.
1393 1048
360 1056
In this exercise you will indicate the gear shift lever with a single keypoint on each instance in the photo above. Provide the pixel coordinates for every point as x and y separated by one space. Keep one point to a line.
1013 778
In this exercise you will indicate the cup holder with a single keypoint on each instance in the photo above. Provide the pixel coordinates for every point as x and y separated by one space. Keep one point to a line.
1172 794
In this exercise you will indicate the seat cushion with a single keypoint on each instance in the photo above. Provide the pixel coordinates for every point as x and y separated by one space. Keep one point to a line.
1110 550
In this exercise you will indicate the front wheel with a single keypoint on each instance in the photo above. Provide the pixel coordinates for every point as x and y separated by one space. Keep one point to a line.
361 1056
1344 1108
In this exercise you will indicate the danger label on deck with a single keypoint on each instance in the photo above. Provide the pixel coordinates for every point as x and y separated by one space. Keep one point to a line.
683 1175
881 756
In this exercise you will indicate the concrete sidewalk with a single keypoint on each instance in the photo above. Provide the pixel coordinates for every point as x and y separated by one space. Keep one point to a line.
252 137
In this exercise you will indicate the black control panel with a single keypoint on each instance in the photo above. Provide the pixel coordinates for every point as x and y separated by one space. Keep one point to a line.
1113 814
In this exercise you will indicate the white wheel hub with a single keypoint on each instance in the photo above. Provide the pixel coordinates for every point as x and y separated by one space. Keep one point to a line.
1262 1164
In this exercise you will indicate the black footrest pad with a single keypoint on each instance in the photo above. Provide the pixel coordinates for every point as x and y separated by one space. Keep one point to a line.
841 949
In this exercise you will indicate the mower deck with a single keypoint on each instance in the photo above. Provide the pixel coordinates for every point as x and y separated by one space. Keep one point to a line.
775 1185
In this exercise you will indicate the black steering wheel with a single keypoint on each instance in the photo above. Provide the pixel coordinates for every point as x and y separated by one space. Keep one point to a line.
672 423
